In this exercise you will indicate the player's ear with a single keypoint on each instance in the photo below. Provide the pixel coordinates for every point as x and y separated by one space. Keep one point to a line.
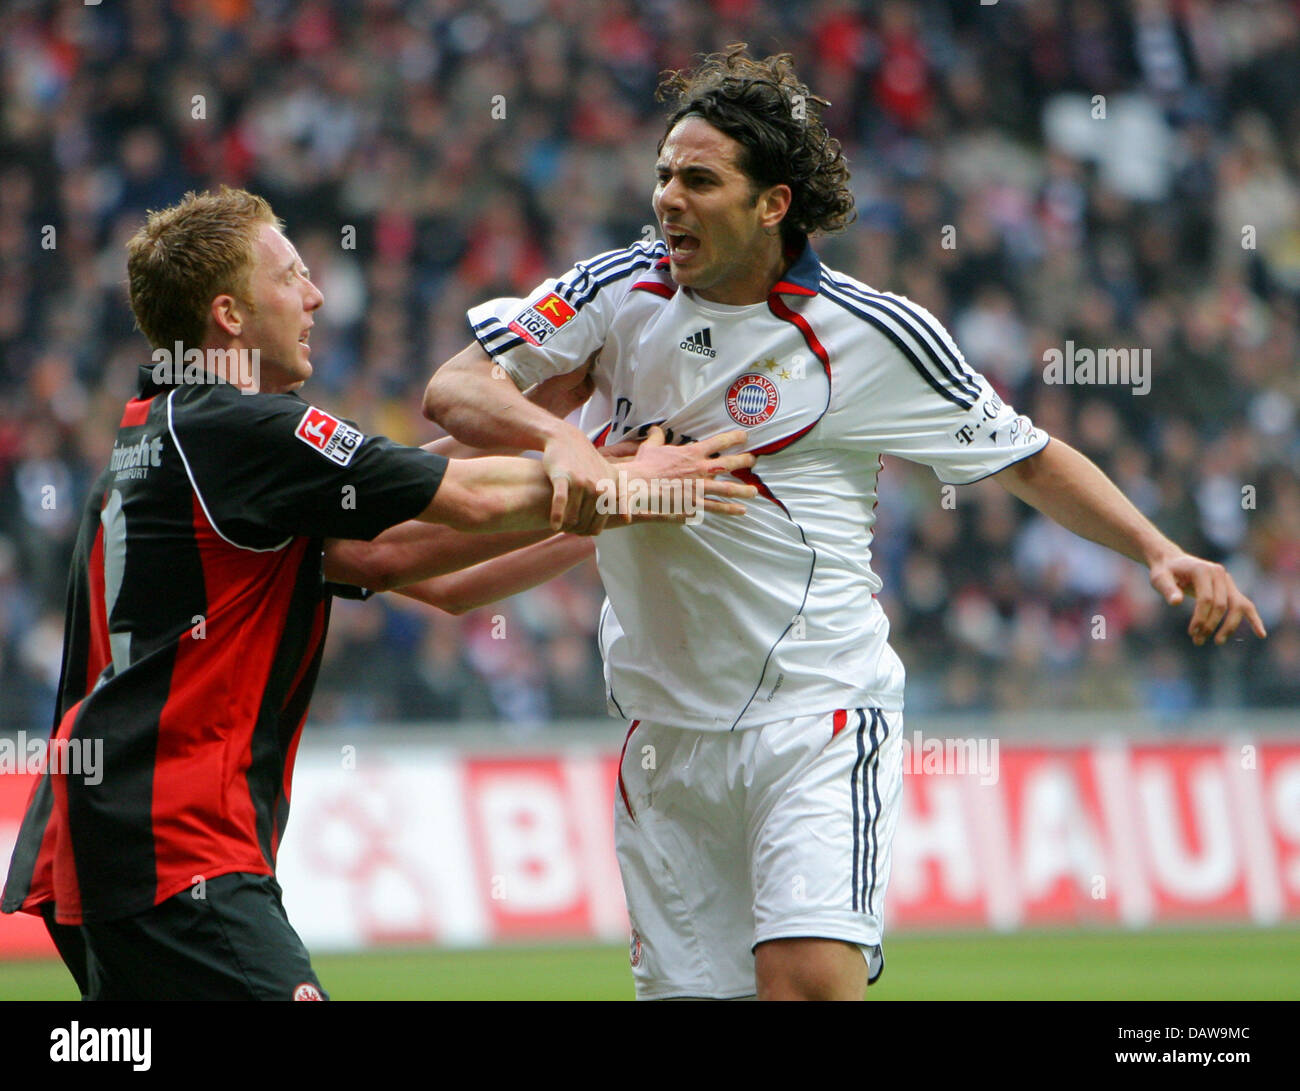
773 204
227 314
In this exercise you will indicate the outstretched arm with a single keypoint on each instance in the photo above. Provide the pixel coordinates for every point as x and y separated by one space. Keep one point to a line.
413 551
459 592
1069 488
484 495
488 506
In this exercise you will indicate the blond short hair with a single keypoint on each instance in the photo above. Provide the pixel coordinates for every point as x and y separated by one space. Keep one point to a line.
187 255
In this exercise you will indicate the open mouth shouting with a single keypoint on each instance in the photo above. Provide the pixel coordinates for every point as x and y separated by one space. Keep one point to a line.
682 245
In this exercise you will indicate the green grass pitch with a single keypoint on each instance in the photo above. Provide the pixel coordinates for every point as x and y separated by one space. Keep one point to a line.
1256 964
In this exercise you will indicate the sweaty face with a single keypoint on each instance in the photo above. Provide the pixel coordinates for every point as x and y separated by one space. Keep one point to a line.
283 300
721 232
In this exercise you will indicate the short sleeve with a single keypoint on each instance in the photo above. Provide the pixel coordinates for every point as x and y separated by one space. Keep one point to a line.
270 466
902 387
563 321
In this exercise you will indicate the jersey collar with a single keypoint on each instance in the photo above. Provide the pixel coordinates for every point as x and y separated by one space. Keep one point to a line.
145 385
803 276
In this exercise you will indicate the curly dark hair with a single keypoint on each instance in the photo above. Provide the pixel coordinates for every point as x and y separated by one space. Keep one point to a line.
764 107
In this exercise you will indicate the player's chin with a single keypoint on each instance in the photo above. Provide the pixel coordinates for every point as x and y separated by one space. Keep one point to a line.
684 276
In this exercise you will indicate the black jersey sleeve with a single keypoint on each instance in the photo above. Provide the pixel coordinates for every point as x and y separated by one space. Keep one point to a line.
266 467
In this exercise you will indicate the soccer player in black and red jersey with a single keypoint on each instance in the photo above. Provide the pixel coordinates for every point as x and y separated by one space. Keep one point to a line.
230 512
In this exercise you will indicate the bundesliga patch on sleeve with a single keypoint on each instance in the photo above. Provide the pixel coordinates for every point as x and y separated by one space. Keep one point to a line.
542 319
335 439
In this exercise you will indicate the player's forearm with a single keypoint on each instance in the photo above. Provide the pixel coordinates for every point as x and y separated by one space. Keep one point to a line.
451 447
505 576
479 404
413 551
1069 488
491 495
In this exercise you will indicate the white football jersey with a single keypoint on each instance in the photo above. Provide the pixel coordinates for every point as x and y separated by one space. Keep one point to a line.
736 622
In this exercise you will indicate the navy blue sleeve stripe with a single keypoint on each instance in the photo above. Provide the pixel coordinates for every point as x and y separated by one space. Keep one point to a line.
487 334
506 346
944 344
918 321
957 397
935 346
501 346
494 333
603 271
585 272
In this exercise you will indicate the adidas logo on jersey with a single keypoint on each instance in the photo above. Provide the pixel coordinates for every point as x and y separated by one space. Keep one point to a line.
700 343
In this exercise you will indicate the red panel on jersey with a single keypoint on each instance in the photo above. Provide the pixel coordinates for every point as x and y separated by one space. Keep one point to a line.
204 819
656 287
56 859
100 653
136 412
751 478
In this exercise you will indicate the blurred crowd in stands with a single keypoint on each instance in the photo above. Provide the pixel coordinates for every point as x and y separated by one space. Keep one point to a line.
1112 174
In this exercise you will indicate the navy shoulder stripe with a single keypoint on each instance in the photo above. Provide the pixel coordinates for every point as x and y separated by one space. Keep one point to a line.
588 280
931 337
606 269
940 378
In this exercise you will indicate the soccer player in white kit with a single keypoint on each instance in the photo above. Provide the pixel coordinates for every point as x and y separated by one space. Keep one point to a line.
761 773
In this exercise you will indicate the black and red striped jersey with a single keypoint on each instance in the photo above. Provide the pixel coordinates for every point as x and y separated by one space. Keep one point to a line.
196 615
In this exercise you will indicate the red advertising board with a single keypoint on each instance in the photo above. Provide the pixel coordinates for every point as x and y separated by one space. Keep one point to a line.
432 846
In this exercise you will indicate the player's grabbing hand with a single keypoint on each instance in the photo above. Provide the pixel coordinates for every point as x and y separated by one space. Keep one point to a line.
697 465
577 475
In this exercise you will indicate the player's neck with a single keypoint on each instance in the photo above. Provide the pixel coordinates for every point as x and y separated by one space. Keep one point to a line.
755 284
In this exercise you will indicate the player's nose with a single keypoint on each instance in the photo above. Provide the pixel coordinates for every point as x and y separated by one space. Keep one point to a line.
315 297
669 196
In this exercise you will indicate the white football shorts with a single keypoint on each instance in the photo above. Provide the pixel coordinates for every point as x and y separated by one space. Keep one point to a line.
728 839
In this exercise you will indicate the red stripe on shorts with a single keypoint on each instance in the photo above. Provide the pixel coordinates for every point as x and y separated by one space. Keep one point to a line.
622 788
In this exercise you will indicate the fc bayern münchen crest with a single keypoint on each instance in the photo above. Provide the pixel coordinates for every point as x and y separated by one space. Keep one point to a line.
752 399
